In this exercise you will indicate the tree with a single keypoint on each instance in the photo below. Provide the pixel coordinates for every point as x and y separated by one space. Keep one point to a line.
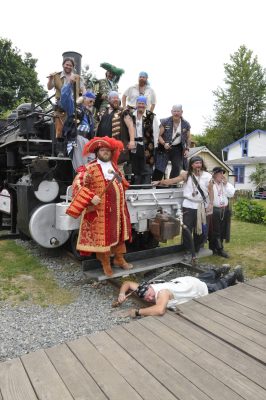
240 106
259 176
18 78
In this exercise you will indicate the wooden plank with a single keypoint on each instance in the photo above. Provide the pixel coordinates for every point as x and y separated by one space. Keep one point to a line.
227 322
140 379
44 378
193 372
114 386
226 334
215 367
235 311
217 347
259 283
76 378
181 376
247 296
14 382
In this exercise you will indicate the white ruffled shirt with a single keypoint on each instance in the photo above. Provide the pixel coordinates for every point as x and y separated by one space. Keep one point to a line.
106 168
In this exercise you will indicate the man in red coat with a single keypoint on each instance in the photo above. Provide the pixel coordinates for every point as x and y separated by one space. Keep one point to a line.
100 200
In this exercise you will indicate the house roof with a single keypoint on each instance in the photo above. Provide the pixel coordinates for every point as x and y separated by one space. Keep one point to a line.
247 161
244 137
193 151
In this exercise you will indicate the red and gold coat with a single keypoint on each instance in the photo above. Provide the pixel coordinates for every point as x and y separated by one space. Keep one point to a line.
106 224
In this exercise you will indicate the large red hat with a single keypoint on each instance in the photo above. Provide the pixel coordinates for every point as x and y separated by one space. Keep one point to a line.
116 146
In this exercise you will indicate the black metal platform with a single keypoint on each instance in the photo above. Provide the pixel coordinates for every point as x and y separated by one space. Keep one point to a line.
145 260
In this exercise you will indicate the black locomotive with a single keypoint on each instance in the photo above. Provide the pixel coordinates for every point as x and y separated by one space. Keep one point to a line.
35 181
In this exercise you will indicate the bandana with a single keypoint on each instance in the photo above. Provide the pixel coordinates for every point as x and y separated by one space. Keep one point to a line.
142 99
113 94
89 95
195 159
143 74
142 289
177 107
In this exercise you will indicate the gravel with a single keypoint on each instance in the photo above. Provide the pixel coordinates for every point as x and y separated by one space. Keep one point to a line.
27 327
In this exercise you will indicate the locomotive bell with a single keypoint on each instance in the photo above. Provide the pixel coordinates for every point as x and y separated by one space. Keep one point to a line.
47 191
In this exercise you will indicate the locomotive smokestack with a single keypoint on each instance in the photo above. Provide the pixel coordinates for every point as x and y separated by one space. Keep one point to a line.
77 58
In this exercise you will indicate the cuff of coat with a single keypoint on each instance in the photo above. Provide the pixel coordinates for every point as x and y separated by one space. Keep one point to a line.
80 202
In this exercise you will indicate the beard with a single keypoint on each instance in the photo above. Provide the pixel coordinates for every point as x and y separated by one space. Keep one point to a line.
104 157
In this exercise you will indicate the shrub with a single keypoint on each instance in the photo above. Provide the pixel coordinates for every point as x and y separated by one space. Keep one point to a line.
249 211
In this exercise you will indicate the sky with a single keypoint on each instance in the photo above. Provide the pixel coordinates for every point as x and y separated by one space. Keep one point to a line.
182 45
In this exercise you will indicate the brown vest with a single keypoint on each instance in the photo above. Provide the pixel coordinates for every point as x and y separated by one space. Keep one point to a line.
59 82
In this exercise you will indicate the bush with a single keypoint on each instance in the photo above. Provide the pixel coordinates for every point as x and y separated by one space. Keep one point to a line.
249 211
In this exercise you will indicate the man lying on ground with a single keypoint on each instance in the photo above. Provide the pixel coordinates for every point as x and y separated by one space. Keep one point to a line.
179 290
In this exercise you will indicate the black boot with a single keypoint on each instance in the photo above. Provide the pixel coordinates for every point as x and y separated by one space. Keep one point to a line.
235 276
220 249
222 271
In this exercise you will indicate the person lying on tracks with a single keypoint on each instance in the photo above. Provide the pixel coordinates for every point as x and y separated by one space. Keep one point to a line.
167 295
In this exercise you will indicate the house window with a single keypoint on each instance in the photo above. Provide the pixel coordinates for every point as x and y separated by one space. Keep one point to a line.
244 145
239 173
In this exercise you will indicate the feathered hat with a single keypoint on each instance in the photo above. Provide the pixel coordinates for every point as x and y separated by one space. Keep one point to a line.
116 71
116 146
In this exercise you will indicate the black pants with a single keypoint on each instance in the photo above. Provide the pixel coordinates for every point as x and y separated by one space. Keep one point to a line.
175 154
214 282
218 227
190 220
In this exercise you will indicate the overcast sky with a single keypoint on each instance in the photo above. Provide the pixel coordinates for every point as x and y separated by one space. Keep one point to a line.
182 45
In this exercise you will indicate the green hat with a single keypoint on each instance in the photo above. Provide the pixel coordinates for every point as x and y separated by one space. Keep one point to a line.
111 68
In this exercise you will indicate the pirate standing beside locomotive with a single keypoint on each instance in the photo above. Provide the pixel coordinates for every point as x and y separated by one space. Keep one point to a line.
197 204
220 221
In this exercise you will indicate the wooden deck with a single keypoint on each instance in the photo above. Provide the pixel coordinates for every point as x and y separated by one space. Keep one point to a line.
214 349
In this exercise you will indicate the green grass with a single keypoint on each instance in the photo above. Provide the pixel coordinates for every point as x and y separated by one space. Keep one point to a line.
24 279
246 248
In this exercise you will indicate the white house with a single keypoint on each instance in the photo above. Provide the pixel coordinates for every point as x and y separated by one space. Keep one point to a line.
243 155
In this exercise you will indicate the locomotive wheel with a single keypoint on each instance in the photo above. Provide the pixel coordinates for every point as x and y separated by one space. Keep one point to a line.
142 241
147 241
73 246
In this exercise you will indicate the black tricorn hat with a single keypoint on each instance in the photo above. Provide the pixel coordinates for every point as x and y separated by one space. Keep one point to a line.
216 170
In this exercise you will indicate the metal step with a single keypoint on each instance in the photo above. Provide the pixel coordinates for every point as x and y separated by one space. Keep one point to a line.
92 269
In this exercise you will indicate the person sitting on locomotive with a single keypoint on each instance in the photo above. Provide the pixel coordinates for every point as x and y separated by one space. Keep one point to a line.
168 295
56 81
99 197
79 125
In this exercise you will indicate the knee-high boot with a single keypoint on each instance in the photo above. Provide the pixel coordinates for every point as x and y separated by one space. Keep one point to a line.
119 259
104 258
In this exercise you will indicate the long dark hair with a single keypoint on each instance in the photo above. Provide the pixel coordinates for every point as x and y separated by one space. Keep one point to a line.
191 161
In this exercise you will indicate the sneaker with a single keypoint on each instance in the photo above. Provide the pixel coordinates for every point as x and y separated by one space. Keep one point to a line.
186 258
239 274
